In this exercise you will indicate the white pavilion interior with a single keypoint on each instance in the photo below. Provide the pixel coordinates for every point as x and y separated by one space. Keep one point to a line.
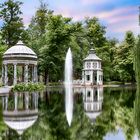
19 65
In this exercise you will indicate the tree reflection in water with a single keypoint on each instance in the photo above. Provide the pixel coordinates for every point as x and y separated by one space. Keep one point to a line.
115 111
137 111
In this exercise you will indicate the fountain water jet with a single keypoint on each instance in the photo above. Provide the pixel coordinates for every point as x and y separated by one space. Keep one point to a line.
68 87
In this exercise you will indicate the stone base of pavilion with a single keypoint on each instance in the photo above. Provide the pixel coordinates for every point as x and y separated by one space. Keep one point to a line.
5 90
81 85
84 85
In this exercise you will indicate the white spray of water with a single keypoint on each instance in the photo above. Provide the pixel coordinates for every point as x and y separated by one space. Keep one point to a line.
68 87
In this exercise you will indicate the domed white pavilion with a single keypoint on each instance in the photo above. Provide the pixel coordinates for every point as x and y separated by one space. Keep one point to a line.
19 56
23 113
92 73
20 123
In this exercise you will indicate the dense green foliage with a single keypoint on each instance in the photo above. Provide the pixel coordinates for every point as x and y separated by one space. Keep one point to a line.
137 61
2 50
51 35
124 58
30 87
12 29
137 73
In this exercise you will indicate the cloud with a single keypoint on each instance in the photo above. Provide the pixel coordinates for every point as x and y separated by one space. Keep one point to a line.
119 31
118 21
74 13
26 20
114 12
111 16
95 2
121 20
124 27
126 12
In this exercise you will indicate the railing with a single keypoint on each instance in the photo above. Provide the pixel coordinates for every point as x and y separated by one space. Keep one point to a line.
20 113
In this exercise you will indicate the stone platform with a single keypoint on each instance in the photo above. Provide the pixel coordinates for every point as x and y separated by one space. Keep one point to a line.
5 90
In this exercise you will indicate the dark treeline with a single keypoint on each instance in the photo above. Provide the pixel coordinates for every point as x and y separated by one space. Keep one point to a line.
51 35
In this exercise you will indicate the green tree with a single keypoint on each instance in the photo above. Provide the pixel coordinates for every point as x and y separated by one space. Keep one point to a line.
41 17
2 50
52 55
107 54
137 74
79 45
95 32
124 58
112 45
37 28
12 28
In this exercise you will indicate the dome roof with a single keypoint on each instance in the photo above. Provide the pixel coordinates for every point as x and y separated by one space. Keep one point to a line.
20 123
20 120
92 56
20 126
93 115
20 50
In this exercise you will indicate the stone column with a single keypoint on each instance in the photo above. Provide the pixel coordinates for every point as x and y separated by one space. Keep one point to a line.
32 73
97 64
2 74
26 100
97 80
92 94
83 77
33 100
15 74
6 103
26 74
3 103
91 77
5 75
35 73
16 100
101 78
36 101
85 80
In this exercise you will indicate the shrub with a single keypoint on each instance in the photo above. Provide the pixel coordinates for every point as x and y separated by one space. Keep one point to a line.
28 87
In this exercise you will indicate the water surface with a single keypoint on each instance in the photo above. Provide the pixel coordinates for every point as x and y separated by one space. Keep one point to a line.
101 114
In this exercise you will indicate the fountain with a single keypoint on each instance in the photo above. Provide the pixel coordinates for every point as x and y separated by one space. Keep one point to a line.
68 87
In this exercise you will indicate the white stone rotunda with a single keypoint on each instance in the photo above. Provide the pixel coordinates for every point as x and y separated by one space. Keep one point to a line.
92 73
93 100
19 56
20 110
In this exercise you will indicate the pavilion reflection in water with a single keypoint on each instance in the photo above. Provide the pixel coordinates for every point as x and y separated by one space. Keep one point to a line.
93 100
20 110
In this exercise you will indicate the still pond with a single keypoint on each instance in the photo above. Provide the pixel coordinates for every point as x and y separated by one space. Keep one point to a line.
98 113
